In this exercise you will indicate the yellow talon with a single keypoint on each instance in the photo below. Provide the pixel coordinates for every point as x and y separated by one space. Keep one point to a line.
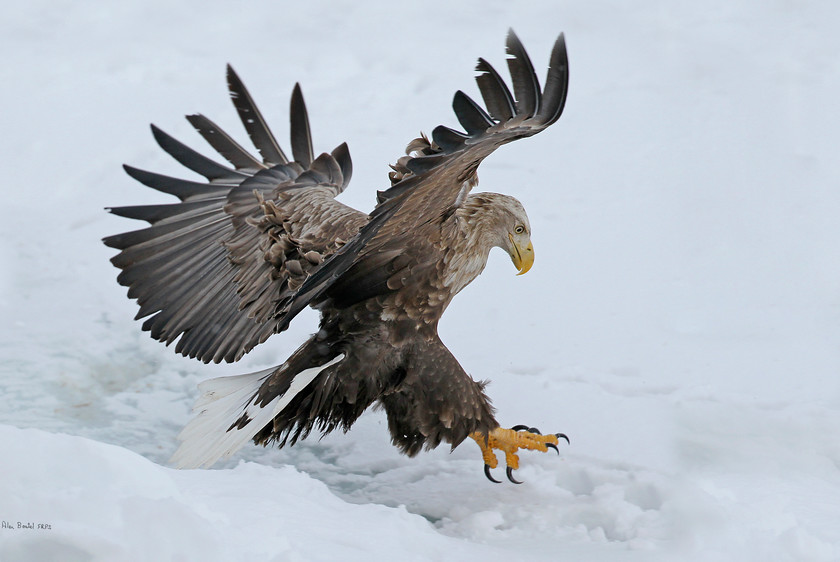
509 441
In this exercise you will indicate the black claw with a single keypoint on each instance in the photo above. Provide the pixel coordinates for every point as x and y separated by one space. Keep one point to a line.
522 427
553 446
509 472
562 436
490 476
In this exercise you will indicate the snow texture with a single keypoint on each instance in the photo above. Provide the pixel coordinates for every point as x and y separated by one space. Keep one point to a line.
681 323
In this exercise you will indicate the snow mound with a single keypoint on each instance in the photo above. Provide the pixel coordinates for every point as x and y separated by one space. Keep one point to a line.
103 502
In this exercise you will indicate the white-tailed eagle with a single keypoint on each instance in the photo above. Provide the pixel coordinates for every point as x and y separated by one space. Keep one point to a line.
241 254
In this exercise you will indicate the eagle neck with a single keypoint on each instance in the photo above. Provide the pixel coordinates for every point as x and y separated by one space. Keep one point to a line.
481 222
477 228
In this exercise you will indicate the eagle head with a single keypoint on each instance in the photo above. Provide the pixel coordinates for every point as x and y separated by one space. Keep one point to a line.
512 231
500 221
519 245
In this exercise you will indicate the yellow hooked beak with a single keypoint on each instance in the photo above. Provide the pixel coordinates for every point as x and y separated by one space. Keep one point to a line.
523 258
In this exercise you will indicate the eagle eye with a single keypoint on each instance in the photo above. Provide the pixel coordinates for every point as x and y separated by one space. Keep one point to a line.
519 229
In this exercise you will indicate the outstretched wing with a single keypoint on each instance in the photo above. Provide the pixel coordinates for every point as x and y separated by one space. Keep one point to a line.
210 270
436 175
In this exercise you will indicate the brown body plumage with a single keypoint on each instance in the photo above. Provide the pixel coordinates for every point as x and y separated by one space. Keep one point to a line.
240 256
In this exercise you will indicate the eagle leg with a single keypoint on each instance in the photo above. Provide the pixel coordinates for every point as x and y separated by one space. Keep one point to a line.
510 441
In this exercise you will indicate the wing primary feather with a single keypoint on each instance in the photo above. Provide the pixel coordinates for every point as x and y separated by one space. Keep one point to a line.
179 305
193 160
254 122
222 143
186 313
301 135
471 116
167 250
162 235
229 343
526 86
497 96
205 343
212 345
182 189
186 282
156 266
126 240
556 84
342 156
156 213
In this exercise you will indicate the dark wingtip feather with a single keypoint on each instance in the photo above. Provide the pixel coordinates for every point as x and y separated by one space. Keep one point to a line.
112 242
526 86
253 120
301 135
231 150
191 159
156 213
448 139
182 189
497 96
139 212
556 83
471 116
233 81
508 116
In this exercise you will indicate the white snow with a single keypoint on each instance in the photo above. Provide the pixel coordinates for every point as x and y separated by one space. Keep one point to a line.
681 323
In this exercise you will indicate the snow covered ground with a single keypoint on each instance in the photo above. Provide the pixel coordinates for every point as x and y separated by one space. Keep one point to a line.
681 323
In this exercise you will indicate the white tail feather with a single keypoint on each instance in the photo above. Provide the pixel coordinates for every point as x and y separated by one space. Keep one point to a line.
207 438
